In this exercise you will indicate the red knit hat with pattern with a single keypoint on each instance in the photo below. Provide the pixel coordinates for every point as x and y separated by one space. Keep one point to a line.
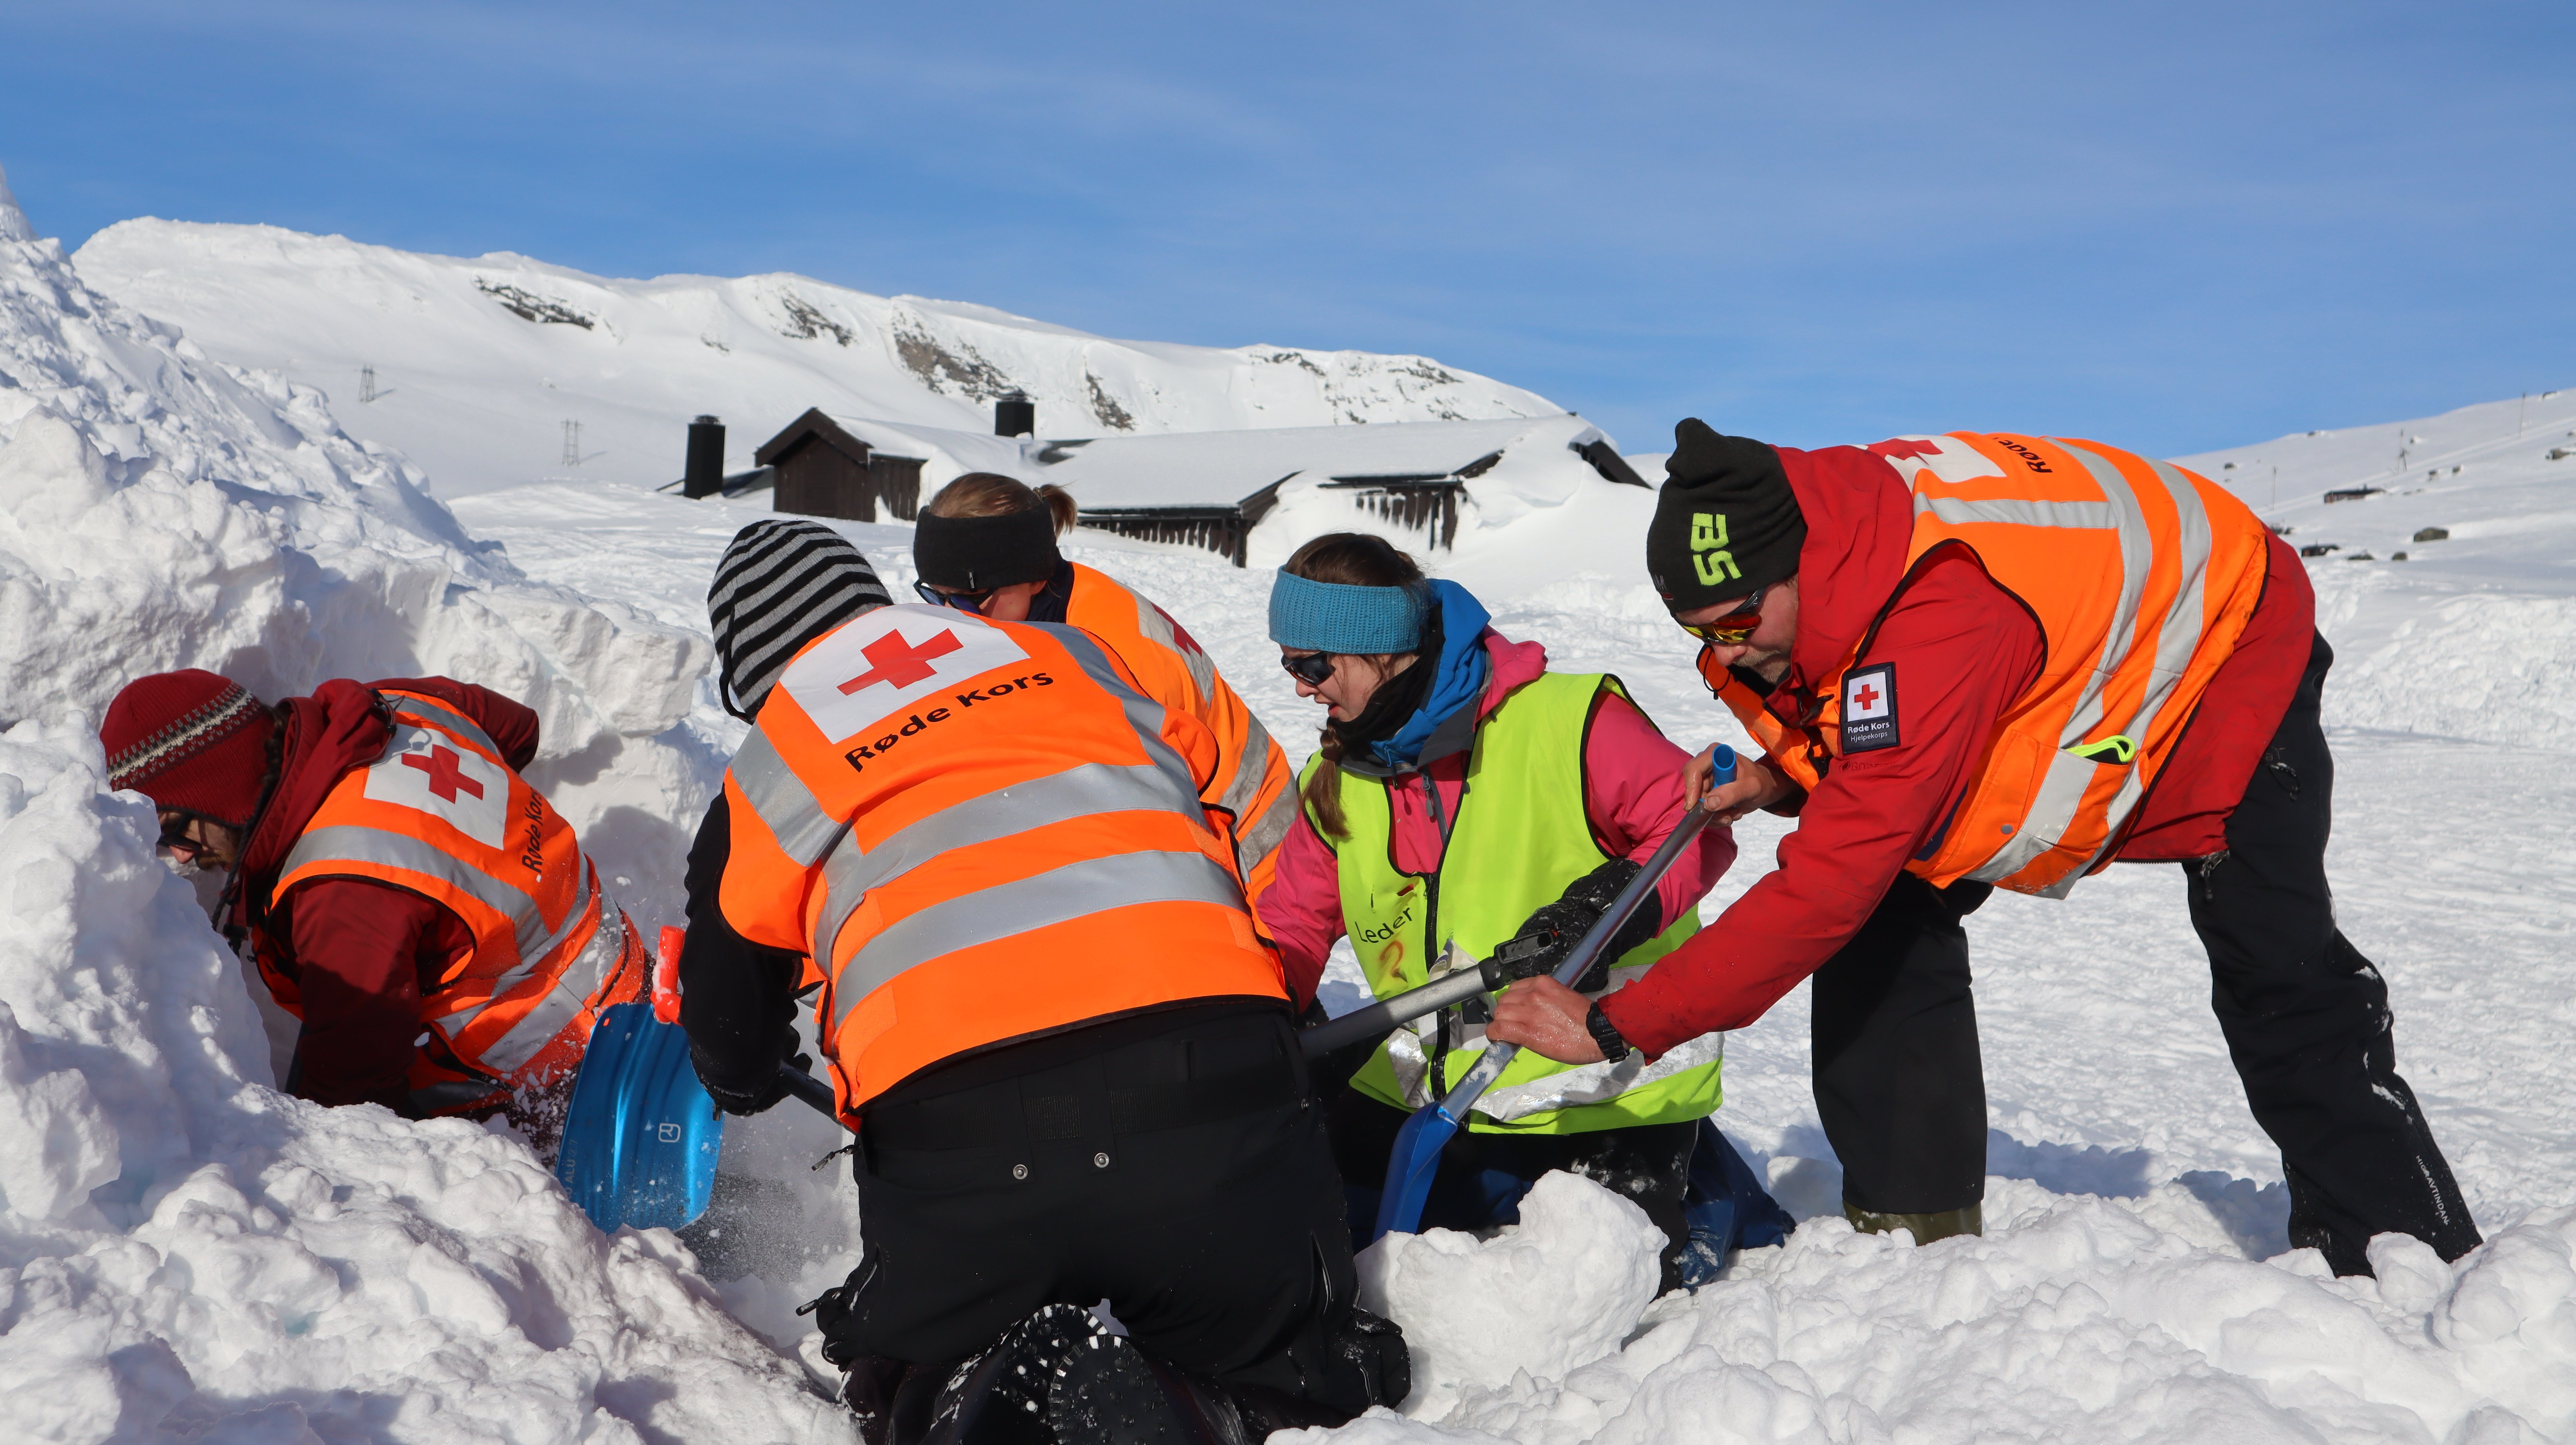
189 740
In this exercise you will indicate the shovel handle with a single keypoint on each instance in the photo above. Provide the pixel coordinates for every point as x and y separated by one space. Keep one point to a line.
811 1090
1498 1057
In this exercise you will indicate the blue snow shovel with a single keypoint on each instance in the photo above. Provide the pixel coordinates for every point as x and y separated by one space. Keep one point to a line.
1416 1157
641 1136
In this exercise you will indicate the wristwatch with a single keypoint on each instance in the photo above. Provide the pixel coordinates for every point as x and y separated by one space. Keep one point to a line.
1614 1047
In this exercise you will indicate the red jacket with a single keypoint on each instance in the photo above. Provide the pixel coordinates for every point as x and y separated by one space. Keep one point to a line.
1965 649
357 948
1631 794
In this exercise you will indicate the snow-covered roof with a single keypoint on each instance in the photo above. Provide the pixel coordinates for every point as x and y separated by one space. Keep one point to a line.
1225 468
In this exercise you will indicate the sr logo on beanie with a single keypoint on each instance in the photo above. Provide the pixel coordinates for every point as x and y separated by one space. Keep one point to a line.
1726 521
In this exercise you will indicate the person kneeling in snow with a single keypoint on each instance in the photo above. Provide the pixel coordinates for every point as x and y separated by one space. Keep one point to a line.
1044 1010
1466 797
406 893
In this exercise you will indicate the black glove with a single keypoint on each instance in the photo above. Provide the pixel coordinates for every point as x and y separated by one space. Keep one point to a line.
1551 933
761 1094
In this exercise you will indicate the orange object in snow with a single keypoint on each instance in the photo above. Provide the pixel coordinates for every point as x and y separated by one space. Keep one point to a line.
980 831
2141 576
443 816
666 974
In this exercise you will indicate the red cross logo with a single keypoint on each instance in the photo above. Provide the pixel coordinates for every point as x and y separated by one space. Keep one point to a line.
1867 697
1180 635
444 778
900 662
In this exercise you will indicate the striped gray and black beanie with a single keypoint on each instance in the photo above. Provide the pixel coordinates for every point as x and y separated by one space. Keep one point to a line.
782 584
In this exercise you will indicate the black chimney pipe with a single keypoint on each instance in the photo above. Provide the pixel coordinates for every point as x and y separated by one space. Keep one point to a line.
1015 416
705 474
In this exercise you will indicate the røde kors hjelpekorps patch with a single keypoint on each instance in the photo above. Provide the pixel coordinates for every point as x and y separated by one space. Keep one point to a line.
1869 708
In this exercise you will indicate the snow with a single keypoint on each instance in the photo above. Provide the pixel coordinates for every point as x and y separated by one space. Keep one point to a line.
185 1253
480 393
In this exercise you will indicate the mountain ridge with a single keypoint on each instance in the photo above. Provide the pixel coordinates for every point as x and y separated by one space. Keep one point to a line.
482 367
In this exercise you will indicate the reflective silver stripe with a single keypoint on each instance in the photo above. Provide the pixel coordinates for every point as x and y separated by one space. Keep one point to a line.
1158 628
1262 839
1962 511
354 843
794 815
1251 768
430 712
1252 761
2175 644
1091 788
2061 791
1076 890
2060 794
1143 713
573 990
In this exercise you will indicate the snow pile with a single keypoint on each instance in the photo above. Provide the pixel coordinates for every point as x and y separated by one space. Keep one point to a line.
161 510
2079 1319
480 362
1542 1298
185 1254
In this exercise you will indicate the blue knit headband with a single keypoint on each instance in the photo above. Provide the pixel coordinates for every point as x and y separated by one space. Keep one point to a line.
1333 617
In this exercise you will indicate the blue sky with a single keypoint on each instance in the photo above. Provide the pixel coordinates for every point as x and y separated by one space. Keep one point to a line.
2168 226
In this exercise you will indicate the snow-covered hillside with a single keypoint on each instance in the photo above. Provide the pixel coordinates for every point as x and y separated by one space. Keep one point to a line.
479 362
2470 634
187 1255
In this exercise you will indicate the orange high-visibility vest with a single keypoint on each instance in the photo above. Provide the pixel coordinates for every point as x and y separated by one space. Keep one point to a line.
443 816
1253 781
2142 577
980 831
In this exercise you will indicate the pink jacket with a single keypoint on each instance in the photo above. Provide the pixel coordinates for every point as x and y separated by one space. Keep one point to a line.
1631 793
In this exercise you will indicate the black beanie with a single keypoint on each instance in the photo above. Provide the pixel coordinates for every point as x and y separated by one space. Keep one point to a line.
1725 522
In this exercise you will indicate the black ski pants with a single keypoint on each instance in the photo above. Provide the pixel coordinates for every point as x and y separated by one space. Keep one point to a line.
1901 1089
1178 1171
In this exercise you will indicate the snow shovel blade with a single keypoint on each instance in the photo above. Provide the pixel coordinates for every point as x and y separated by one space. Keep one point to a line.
641 1137
1415 1161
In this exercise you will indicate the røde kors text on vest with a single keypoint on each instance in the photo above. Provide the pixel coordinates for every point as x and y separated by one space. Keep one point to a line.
920 722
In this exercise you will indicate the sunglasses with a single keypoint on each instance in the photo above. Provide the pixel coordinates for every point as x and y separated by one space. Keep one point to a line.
1311 669
962 601
1733 627
176 842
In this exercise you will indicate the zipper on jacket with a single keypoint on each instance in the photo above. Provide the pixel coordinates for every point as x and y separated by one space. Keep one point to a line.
1439 1067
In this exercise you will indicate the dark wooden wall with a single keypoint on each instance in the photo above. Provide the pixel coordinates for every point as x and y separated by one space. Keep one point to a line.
1221 530
896 483
1431 507
816 480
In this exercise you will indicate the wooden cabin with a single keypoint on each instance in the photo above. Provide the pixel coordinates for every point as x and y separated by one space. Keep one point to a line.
1200 489
823 471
